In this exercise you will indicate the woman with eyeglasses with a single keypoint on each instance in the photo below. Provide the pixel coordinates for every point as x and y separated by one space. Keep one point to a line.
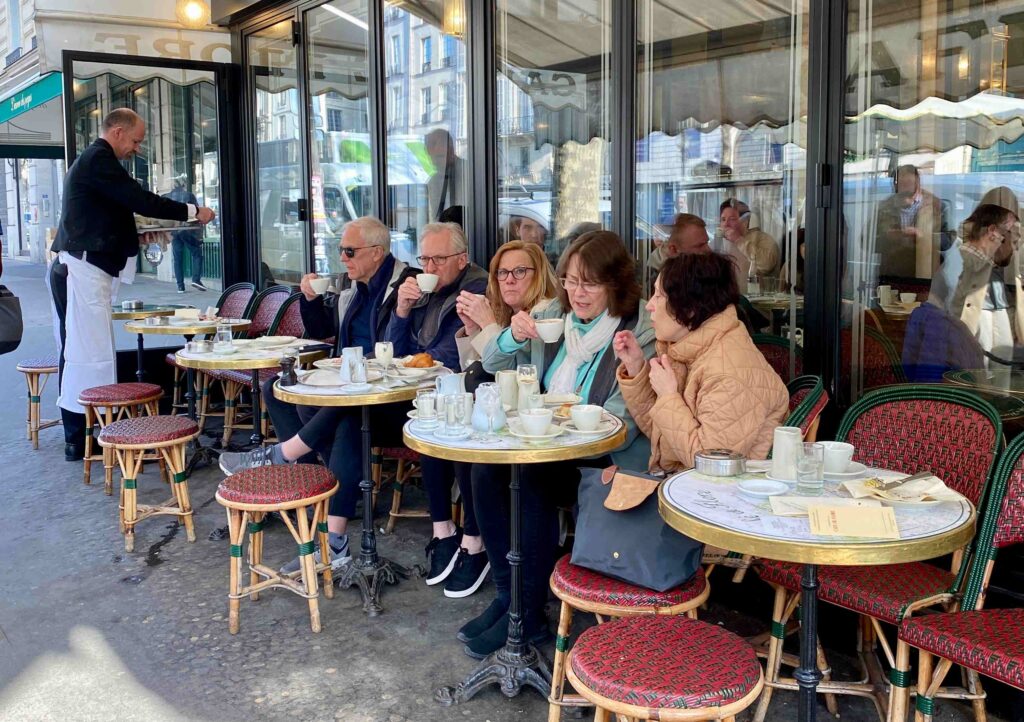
599 296
519 279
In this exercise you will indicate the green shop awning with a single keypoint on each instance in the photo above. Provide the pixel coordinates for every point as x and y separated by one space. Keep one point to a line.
32 120
46 88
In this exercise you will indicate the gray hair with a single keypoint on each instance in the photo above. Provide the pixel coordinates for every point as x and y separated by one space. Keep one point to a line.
120 118
372 231
455 233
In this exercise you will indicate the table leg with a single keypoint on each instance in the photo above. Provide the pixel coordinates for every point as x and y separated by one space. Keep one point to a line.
518 664
139 347
807 674
198 455
257 410
370 572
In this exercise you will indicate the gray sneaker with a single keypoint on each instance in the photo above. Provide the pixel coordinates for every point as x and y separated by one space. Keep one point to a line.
232 462
340 555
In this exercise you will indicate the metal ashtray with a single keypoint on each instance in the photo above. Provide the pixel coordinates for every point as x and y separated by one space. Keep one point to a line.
719 462
200 346
132 305
158 321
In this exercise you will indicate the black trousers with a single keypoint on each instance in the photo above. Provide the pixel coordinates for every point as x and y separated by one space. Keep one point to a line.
74 423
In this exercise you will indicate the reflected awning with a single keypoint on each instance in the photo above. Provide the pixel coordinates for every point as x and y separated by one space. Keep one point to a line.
32 120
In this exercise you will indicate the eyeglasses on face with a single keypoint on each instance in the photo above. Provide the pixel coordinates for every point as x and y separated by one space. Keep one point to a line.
350 251
437 260
573 284
518 273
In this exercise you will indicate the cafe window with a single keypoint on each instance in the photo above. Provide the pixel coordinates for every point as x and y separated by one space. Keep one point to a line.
934 154
425 53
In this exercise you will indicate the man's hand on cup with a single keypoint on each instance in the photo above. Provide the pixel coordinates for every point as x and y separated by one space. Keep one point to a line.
408 294
306 287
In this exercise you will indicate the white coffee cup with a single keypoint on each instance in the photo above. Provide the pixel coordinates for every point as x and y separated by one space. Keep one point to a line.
550 329
585 417
535 422
838 455
320 284
908 298
427 282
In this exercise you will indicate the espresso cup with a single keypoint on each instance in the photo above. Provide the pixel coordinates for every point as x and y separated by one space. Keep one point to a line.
908 298
535 422
320 284
585 417
427 282
838 455
549 329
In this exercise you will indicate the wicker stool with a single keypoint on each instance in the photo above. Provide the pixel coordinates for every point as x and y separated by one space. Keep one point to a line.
665 668
37 371
129 440
589 591
106 404
408 466
248 496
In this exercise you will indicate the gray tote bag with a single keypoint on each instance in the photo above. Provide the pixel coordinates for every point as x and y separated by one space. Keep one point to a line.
10 321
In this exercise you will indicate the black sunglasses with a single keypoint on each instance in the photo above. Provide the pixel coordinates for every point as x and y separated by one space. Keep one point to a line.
350 252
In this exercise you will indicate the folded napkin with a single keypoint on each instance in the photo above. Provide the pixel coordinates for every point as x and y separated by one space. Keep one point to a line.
919 489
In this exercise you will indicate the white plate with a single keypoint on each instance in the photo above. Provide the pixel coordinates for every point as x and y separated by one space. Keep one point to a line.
757 466
320 377
371 374
910 505
559 399
424 426
516 429
854 471
769 476
328 363
604 427
414 414
271 341
188 322
355 388
242 342
761 488
464 434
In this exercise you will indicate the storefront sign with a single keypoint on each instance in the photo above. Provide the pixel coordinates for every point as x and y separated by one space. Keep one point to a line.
44 89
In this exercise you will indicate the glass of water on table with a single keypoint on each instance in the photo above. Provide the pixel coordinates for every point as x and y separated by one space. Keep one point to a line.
810 469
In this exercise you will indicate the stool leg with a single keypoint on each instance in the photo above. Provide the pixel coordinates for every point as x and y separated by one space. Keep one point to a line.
28 411
784 606
320 519
255 549
204 400
231 390
601 715
396 495
558 670
130 461
174 458
87 458
308 567
236 531
376 471
108 455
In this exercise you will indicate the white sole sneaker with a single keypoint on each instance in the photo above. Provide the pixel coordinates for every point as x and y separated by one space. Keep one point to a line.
470 590
444 574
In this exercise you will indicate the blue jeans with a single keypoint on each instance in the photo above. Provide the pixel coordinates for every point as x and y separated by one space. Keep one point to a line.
195 247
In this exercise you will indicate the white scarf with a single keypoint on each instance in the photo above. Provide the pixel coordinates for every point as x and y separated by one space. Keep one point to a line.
580 348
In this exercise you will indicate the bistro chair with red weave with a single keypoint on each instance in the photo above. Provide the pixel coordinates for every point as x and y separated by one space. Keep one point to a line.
407 465
982 641
299 493
776 351
664 668
130 440
910 429
106 404
37 371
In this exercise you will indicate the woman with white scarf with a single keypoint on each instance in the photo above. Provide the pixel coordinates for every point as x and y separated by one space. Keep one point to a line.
599 297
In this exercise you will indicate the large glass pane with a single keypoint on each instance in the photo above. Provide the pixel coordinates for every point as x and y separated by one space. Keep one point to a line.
933 173
338 72
178 158
554 177
426 117
721 106
279 180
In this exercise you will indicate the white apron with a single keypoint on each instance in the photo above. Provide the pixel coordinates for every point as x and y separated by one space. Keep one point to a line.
89 355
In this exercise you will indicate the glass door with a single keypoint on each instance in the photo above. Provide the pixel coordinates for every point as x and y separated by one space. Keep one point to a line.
280 176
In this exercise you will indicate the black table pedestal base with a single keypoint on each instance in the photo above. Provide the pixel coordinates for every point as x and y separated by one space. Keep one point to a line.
807 674
371 578
509 669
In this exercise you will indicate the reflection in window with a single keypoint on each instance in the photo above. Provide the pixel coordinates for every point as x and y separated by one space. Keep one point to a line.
931 188
426 131
553 119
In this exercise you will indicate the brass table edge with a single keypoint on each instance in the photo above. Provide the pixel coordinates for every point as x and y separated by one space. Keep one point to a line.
405 393
195 330
125 315
240 364
515 456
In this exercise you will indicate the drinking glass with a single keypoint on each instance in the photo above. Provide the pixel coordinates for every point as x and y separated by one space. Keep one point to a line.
384 352
526 372
426 407
488 398
810 469
454 409
222 339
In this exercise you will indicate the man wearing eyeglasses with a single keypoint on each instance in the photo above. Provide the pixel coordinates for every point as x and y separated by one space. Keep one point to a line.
358 316
427 322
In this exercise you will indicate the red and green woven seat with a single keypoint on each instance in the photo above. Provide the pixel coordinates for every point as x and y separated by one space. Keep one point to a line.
656 662
148 430
119 394
278 484
590 586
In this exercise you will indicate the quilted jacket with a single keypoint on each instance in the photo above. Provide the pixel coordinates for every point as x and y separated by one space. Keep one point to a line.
728 398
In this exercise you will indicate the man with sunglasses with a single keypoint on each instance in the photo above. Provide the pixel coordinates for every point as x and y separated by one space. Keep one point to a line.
357 316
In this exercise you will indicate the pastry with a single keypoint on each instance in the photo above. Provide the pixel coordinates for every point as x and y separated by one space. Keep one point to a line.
420 361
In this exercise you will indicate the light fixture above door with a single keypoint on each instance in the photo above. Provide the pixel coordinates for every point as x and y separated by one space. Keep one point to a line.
194 14
454 21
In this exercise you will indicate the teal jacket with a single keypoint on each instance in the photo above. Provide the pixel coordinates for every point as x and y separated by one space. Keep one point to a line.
604 389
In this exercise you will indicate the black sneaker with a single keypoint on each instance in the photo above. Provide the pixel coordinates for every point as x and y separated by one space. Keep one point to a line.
443 554
74 452
198 285
232 462
477 626
535 632
467 576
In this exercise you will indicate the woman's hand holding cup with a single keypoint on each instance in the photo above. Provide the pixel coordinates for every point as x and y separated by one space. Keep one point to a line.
523 327
475 306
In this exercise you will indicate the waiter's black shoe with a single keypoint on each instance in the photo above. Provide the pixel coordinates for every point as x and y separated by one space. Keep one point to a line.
74 452
198 285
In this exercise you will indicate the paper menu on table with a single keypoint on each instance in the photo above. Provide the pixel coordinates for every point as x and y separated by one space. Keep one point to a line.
853 521
930 488
189 313
797 505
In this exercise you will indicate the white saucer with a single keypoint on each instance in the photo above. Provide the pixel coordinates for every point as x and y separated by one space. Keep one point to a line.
424 426
516 429
854 471
351 388
769 476
604 427
761 488
464 434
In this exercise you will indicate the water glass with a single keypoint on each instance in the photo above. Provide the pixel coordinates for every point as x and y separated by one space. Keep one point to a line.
384 352
810 469
454 410
426 407
488 399
222 339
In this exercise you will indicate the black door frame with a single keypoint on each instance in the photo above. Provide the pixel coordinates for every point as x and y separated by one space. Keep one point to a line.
235 246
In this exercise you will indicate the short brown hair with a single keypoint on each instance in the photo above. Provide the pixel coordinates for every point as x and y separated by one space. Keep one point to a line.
698 286
543 283
603 259
985 215
120 118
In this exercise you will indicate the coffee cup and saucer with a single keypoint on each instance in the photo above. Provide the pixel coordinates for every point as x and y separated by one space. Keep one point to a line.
839 463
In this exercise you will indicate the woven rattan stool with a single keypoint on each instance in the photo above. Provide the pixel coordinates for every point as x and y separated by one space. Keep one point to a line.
37 371
129 440
248 497
106 404
665 668
587 591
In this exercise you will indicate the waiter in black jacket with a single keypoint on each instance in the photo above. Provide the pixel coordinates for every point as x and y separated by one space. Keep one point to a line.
96 243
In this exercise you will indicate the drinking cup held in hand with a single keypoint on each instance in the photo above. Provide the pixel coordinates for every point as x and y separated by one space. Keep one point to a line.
585 417
549 329
535 422
838 455
319 285
427 282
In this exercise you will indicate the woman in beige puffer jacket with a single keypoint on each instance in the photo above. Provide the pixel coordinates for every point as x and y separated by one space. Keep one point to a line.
708 387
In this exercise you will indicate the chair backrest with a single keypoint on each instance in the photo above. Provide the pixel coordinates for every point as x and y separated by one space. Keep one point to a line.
263 309
234 301
926 427
882 365
775 350
1000 522
288 321
807 399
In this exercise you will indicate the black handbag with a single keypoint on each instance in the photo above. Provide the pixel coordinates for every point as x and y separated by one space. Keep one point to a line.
11 326
620 534
475 375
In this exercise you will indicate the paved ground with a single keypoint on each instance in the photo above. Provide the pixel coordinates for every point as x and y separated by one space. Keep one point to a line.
88 632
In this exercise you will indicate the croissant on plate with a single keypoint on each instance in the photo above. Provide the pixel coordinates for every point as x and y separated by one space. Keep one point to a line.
420 361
